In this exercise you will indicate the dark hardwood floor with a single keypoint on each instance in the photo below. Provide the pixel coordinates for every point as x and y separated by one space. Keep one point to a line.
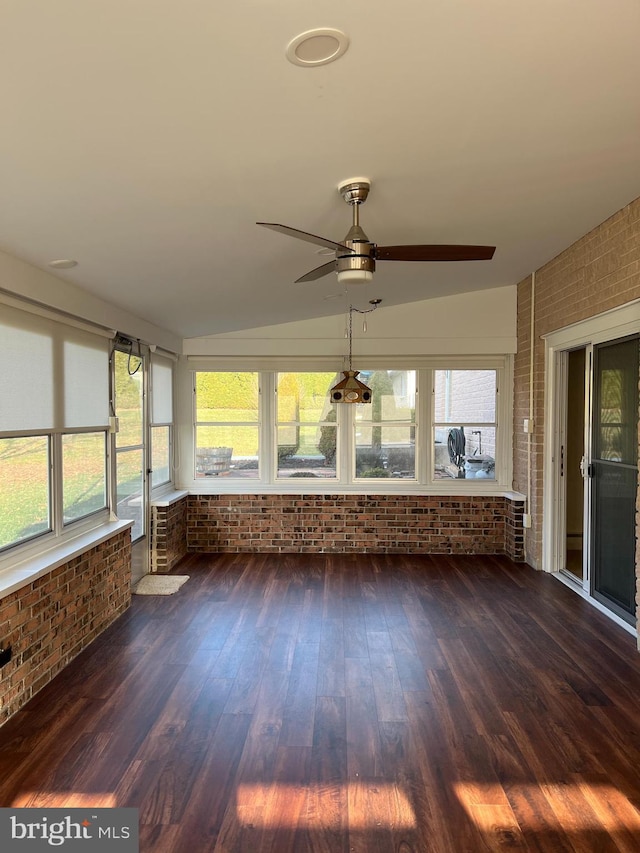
347 704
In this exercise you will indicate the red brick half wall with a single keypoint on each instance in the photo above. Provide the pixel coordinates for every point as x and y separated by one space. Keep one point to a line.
48 622
377 524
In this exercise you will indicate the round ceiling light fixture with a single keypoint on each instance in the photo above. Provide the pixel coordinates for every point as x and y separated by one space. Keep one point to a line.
317 47
63 264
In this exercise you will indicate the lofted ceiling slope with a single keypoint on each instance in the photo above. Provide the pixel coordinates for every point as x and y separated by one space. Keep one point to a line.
144 138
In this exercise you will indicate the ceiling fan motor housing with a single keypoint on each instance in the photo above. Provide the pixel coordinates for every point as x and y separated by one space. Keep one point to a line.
361 258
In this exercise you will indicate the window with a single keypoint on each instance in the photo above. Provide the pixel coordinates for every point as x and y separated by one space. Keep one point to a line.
84 480
227 428
53 427
161 420
306 425
292 437
25 501
465 424
385 429
130 454
160 456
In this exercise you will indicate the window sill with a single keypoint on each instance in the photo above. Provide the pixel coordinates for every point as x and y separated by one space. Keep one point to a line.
391 486
169 498
34 567
448 488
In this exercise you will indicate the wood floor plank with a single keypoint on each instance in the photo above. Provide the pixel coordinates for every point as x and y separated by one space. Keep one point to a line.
285 809
299 716
215 788
323 825
331 673
346 704
355 630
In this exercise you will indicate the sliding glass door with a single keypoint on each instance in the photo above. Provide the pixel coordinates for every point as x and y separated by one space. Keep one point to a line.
614 475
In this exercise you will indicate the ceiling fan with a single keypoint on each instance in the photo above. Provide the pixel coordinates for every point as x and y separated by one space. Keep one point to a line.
356 255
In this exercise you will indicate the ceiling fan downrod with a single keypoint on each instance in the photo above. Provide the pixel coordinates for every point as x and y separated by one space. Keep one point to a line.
359 264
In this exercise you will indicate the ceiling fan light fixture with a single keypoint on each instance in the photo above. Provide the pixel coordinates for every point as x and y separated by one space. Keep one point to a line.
347 277
317 47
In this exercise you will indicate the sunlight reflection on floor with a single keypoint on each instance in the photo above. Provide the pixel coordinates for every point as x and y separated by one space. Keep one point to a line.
369 804
64 799
579 806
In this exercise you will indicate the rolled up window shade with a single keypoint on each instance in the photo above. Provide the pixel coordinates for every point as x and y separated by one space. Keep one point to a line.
161 390
52 375
86 380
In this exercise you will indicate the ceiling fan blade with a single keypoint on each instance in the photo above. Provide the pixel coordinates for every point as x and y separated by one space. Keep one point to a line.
434 253
304 235
318 272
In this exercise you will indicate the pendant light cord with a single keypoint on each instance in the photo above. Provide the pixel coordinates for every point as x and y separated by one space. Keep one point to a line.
350 334
374 304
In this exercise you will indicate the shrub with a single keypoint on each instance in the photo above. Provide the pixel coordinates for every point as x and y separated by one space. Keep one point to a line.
285 451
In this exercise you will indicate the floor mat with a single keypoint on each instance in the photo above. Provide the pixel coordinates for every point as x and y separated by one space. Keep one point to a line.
159 584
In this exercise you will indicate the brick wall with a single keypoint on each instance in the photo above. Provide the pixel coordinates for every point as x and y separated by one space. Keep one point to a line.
599 272
514 531
398 524
168 535
48 622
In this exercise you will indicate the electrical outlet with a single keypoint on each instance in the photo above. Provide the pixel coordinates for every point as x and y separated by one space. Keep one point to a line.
5 656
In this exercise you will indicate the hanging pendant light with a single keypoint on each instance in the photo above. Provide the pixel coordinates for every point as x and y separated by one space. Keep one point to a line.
350 389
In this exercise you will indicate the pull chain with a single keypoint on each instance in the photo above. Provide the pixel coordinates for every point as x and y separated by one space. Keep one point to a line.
374 304
351 309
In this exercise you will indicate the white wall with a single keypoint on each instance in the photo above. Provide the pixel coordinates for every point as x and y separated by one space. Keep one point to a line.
24 281
478 323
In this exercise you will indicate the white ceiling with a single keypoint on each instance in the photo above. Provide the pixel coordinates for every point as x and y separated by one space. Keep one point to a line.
144 138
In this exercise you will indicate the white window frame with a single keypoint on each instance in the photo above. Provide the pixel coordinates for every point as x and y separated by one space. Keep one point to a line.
263 467
276 422
466 423
345 482
161 489
59 534
59 502
416 424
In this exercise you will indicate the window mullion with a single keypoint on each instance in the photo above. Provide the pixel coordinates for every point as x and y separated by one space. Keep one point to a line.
424 430
346 420
56 482
268 431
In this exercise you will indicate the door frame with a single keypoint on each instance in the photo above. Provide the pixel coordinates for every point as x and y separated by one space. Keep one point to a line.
140 547
557 561
608 326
